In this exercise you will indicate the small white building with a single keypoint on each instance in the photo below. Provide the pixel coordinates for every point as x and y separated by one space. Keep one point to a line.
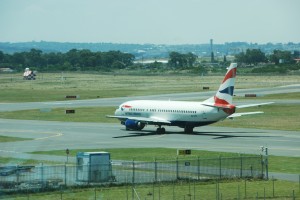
6 70
93 167
29 75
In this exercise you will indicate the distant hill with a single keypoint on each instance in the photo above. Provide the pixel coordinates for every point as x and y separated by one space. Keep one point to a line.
141 51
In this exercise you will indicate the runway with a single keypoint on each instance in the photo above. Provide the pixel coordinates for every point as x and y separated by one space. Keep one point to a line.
61 135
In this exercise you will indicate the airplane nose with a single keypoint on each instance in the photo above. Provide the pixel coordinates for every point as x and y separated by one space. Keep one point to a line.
117 112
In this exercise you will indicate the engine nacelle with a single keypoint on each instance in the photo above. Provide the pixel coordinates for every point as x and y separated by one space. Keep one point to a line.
134 125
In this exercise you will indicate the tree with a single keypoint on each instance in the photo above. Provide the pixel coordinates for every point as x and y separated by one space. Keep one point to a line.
72 57
34 58
181 60
284 55
191 59
252 56
1 56
53 59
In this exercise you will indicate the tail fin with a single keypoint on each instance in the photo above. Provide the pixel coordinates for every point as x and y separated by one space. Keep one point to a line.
225 91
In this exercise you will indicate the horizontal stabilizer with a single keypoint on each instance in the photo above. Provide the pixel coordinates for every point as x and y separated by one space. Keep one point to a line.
253 105
216 105
245 113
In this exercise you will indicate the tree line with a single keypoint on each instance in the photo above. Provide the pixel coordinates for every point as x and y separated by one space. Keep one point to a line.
72 60
255 56
83 60
75 60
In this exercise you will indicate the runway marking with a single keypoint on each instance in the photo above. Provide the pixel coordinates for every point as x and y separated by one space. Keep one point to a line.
5 151
33 132
43 138
154 137
58 103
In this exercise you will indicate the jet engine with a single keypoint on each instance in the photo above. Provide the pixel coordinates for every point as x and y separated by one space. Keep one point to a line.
134 125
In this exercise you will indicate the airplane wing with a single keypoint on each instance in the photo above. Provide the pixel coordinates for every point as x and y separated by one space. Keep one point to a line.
253 105
150 120
242 114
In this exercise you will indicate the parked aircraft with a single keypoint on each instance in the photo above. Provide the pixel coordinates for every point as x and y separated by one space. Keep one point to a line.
135 115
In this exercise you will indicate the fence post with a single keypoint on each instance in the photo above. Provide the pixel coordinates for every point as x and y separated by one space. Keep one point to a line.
245 188
65 174
155 168
18 174
220 167
262 166
241 174
190 188
273 181
266 160
198 168
133 172
42 175
238 194
177 168
294 195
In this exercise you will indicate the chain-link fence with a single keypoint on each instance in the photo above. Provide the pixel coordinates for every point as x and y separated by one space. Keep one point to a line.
20 178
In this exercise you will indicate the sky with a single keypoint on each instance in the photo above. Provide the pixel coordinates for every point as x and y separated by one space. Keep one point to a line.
150 21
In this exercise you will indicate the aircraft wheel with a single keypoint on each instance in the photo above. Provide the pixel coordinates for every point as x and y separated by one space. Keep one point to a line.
188 130
160 130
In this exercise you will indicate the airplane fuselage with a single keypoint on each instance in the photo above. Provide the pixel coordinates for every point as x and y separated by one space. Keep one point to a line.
178 113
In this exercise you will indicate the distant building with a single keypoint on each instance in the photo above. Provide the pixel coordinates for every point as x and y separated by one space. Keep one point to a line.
6 70
149 61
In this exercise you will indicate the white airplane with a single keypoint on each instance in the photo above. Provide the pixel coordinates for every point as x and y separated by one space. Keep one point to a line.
188 115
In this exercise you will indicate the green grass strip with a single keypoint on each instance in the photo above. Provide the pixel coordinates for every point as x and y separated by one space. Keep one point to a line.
280 164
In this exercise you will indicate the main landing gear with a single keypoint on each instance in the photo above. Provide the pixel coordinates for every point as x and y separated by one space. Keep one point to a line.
160 130
188 129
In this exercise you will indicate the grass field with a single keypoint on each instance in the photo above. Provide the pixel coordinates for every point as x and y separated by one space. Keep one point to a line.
19 161
55 86
225 189
291 164
85 114
276 117
11 139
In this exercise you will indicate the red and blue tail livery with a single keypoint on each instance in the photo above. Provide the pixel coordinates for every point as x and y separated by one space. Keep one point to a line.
225 91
